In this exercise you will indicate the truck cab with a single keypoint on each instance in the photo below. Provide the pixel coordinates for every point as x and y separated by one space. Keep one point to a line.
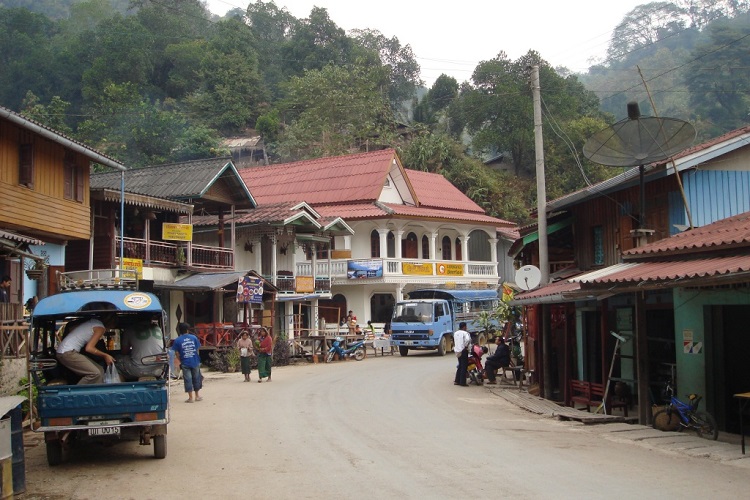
427 320
67 412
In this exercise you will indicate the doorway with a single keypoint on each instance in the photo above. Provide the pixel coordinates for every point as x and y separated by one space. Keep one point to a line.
727 327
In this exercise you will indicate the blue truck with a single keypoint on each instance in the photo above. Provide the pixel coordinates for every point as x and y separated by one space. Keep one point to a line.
67 412
427 320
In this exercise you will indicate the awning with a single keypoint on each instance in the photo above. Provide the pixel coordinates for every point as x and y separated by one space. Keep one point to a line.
18 245
202 282
297 298
312 237
520 243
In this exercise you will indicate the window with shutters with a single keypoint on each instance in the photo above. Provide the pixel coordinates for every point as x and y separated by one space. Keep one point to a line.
72 178
26 164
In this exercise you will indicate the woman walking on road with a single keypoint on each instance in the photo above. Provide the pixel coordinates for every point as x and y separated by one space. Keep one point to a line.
245 345
265 349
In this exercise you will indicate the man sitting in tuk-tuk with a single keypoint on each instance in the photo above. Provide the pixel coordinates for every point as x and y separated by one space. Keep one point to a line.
138 341
85 336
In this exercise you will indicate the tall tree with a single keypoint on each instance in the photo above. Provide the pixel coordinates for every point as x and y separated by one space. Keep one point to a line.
718 84
314 43
230 95
402 65
271 28
643 26
335 110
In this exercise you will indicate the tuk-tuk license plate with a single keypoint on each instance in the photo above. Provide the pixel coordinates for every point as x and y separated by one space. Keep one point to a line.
104 431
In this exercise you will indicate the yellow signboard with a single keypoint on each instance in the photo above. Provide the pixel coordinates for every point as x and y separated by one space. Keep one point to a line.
305 284
445 269
420 269
177 232
134 265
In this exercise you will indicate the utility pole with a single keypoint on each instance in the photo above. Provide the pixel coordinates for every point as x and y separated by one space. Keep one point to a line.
541 210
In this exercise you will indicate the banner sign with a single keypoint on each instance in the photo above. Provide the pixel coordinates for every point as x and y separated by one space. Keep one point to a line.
250 290
445 269
356 269
421 269
177 232
134 265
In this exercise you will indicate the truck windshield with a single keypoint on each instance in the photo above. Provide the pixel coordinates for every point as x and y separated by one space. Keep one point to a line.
413 312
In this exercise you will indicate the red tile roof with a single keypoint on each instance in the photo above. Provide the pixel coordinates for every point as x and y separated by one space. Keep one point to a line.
671 272
434 213
338 179
434 190
732 232
352 211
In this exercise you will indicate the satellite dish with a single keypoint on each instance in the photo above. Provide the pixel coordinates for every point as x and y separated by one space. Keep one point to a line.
636 140
528 277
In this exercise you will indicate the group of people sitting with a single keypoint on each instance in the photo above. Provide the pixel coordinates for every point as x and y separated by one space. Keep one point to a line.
80 347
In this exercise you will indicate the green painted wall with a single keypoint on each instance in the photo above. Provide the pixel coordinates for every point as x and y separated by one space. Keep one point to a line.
689 306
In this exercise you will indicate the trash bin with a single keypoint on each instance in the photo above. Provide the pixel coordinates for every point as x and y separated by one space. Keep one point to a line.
16 444
12 461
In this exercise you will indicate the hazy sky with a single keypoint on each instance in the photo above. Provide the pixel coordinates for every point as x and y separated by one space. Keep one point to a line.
452 37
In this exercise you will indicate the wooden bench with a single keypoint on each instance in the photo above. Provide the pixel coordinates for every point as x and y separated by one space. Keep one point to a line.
592 394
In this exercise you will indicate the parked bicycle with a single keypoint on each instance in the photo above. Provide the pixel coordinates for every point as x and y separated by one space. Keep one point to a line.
689 417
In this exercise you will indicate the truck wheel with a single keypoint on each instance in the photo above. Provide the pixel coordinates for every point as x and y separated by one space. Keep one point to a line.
160 446
54 452
403 350
443 346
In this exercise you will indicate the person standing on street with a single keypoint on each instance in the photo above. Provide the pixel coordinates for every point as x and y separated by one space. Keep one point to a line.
461 341
265 350
186 350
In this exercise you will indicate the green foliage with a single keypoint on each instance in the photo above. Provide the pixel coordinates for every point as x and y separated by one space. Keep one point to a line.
333 111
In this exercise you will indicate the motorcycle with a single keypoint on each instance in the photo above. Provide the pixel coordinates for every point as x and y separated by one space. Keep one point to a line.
356 350
475 369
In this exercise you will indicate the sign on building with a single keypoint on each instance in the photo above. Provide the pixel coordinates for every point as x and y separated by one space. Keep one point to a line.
356 269
250 290
177 232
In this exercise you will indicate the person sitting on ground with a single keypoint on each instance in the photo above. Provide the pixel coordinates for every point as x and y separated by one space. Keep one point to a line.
499 359
140 340
85 336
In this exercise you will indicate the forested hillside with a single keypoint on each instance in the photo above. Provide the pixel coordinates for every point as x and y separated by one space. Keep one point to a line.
154 81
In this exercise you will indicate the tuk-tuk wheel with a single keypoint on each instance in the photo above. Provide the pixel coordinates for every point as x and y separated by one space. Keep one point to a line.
54 452
160 446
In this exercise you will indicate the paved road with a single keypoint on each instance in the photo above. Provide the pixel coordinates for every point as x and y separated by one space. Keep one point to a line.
382 428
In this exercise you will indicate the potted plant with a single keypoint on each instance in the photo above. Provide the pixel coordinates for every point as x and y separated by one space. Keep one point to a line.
35 268
233 359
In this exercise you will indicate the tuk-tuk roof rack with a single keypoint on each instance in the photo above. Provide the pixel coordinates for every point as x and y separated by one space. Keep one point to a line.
98 279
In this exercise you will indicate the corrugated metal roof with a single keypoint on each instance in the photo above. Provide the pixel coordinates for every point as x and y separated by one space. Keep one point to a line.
178 181
683 160
435 191
350 211
671 271
54 135
338 179
732 232
592 276
19 237
554 290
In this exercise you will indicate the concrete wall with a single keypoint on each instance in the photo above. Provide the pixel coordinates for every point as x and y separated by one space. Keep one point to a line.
12 371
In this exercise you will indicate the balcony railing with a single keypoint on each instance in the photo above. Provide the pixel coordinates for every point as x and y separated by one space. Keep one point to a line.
393 267
174 254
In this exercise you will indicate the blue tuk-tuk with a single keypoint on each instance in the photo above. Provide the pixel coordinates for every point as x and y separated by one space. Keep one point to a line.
66 411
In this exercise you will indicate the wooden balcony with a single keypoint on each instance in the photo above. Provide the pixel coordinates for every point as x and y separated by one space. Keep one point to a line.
168 254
